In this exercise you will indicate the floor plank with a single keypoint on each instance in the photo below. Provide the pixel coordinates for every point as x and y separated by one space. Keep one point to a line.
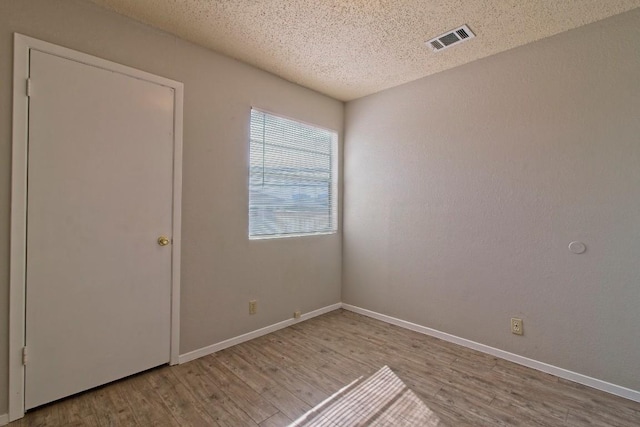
257 407
277 420
272 380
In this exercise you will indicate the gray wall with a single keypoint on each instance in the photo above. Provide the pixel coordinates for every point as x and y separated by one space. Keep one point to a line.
464 189
221 269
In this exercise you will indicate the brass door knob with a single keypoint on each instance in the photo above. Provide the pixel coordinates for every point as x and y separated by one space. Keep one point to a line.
163 240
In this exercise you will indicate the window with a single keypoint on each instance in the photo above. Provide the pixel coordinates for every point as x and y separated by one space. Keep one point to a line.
292 178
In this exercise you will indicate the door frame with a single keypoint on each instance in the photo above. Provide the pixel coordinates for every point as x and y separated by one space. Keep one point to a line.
19 164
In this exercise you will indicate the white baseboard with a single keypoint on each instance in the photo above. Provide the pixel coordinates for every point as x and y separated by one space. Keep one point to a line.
205 351
4 419
521 360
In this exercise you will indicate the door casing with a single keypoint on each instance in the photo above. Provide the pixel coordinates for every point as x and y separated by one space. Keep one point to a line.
17 263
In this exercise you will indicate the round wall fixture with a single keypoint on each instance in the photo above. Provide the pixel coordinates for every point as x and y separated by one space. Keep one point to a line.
577 247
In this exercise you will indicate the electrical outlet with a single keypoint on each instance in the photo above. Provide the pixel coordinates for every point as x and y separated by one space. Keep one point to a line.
253 306
297 314
516 326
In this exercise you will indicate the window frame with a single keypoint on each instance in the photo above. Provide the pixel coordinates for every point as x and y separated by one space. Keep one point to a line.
334 196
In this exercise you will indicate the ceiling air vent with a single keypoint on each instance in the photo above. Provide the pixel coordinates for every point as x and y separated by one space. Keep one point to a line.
450 38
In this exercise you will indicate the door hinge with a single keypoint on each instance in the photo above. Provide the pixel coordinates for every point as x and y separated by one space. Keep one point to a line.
24 356
28 87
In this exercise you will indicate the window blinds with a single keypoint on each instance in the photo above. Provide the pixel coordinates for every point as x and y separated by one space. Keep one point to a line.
292 179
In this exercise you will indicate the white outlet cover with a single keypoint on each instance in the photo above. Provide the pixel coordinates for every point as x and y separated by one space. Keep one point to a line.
577 247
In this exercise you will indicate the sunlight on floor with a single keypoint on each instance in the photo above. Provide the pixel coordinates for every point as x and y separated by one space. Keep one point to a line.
380 400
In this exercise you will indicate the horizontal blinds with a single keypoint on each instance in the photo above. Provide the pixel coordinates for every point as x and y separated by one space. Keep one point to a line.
290 177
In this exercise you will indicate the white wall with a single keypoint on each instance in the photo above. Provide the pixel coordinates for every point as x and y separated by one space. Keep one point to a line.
221 269
464 189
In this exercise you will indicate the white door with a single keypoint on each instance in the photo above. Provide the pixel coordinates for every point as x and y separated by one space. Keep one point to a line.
99 195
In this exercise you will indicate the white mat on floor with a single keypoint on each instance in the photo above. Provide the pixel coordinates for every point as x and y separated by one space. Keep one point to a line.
380 400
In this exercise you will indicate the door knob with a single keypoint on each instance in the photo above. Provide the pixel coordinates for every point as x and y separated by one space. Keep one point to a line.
163 240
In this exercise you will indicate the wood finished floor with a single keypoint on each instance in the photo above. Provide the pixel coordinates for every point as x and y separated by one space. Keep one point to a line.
272 380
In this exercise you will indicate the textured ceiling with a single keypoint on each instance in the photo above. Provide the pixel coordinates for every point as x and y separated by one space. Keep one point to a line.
349 49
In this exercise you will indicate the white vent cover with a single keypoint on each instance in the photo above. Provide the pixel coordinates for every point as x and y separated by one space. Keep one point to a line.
450 38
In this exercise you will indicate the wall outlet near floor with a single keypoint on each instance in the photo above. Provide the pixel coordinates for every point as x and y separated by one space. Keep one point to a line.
253 306
297 314
516 326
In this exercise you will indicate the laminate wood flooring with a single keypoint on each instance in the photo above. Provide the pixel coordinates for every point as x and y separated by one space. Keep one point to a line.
272 380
